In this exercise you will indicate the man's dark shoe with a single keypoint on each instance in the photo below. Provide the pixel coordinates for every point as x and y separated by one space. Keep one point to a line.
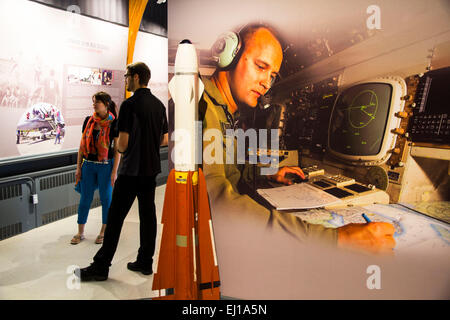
92 273
136 266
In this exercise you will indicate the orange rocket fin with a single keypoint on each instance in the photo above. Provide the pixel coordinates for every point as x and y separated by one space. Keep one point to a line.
164 278
209 283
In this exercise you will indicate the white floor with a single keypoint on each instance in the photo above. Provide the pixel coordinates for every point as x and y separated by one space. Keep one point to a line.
39 264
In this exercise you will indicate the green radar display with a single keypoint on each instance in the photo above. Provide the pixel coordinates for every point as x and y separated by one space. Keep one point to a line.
359 119
363 109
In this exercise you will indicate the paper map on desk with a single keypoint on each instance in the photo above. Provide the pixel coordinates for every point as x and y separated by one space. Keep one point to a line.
436 209
413 231
298 196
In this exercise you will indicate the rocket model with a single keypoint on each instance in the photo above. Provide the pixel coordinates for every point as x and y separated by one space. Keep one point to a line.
187 265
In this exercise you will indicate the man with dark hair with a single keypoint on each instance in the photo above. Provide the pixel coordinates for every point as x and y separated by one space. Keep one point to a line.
142 71
232 88
143 129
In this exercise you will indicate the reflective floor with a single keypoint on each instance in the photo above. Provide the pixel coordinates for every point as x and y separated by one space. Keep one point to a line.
38 264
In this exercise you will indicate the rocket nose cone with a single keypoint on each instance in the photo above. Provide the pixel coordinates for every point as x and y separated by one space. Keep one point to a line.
186 57
186 41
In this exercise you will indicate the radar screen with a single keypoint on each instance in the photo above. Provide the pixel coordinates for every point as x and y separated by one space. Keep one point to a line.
359 119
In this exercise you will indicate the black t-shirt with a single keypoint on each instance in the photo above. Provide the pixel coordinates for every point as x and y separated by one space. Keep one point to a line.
143 117
113 133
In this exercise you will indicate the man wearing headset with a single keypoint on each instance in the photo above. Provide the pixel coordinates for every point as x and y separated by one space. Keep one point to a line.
245 72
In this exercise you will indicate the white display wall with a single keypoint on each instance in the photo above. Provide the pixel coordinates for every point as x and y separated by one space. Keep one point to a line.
51 63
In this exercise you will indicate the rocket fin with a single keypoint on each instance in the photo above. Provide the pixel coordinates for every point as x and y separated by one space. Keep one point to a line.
172 89
209 281
201 88
164 276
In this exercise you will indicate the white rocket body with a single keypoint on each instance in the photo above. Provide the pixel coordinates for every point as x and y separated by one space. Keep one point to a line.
186 90
187 262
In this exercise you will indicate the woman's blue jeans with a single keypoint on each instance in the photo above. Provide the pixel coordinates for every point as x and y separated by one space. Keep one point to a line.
93 176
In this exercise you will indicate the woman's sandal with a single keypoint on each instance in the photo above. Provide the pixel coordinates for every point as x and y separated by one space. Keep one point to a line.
99 239
76 239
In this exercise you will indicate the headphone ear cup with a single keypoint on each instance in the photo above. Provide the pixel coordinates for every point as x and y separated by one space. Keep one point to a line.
226 48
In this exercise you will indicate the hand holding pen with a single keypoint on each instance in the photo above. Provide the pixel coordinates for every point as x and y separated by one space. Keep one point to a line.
375 237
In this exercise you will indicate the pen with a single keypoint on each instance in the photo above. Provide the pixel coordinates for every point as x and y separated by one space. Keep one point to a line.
366 218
